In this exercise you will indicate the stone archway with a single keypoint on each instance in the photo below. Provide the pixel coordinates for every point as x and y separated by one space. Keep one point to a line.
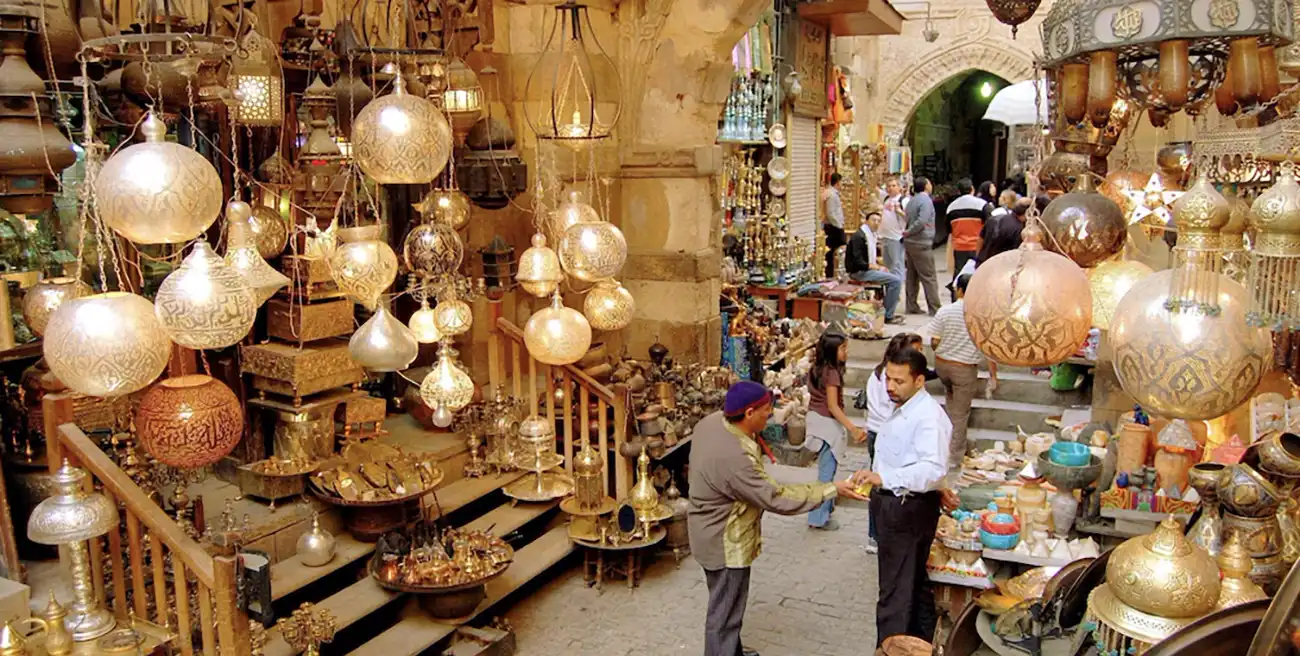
907 90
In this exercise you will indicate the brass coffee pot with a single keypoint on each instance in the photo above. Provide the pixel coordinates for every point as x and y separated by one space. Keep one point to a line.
12 641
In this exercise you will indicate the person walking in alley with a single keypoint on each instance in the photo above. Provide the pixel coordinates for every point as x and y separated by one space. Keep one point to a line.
957 360
729 491
863 265
966 217
918 242
893 220
832 222
828 427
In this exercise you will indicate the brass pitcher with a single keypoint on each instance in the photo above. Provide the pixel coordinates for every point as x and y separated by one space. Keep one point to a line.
12 641
58 642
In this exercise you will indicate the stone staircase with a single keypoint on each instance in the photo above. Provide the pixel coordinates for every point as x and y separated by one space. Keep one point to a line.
374 621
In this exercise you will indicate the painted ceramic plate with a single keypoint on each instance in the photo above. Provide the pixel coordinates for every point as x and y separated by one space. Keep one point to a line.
777 187
778 168
776 135
776 207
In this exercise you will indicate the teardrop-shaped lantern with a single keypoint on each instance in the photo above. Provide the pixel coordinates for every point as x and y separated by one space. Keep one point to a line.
424 325
243 256
205 304
446 386
557 334
609 306
158 192
401 138
539 269
106 345
383 343
593 251
363 265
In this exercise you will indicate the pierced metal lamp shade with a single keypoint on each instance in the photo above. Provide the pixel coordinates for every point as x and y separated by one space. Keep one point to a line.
401 138
433 249
72 514
453 317
449 206
205 304
158 192
557 335
383 343
424 325
539 269
447 385
363 265
1109 282
243 256
593 251
43 298
571 212
189 421
609 306
106 345
270 231
257 84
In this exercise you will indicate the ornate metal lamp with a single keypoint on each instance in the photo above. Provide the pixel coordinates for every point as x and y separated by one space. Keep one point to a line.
489 169
257 83
579 108
70 518
1013 12
499 264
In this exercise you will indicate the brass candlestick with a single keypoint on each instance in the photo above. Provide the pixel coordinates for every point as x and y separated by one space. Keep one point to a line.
307 628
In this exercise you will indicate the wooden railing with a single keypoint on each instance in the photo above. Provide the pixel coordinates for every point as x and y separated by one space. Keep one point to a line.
511 365
153 536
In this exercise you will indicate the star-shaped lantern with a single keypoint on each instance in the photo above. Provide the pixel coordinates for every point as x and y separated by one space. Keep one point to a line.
1153 201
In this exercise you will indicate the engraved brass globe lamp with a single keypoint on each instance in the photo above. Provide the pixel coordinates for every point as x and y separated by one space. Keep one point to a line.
609 306
1109 282
205 304
453 316
401 138
447 386
158 192
557 335
539 268
593 251
1084 225
433 249
106 345
449 206
1164 574
43 298
189 422
571 212
424 324
363 265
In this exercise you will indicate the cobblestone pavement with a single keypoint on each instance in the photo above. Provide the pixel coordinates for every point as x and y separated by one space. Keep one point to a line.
812 593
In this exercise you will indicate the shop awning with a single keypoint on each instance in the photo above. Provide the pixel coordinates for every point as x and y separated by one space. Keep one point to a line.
854 17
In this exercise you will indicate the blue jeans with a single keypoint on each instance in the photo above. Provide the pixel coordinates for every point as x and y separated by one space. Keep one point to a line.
826 467
893 287
895 257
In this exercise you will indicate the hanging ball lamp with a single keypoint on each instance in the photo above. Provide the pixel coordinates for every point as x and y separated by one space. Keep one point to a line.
106 345
1187 362
401 138
45 296
557 335
205 304
158 192
571 212
448 206
609 306
1013 12
539 269
1029 307
446 387
1084 225
243 256
1274 275
1109 282
453 317
424 324
593 251
383 343
363 265
189 422
270 231
433 249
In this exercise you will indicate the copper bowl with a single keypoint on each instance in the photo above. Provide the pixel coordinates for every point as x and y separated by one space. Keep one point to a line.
1262 536
1246 493
1206 476
1279 454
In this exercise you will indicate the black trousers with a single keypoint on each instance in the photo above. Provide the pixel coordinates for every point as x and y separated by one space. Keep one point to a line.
834 240
871 453
905 528
959 260
728 594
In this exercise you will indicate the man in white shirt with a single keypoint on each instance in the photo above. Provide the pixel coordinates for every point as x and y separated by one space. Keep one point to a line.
908 473
957 360
891 228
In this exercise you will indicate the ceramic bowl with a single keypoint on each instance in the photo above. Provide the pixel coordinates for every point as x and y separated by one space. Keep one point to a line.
1245 492
1065 477
1070 454
1279 454
1000 524
997 541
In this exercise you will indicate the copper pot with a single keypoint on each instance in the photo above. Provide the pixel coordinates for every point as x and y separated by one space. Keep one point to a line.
1279 454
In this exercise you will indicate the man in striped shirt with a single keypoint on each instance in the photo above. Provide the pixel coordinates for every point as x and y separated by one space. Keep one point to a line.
957 361
966 218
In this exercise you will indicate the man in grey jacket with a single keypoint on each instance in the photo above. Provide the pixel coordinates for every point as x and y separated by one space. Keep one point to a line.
918 242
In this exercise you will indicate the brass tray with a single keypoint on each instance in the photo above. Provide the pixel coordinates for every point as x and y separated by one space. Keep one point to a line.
570 506
1274 635
554 486
528 462
334 500
372 568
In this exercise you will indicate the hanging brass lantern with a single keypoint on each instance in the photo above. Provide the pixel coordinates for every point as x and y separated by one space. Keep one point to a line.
571 212
1275 257
499 264
243 256
205 304
579 107
448 206
1013 12
1109 282
1200 215
557 335
158 192
43 298
446 387
424 325
433 249
401 138
453 316
609 306
106 345
539 269
383 343
363 265
489 169
270 231
189 421
1029 307
1084 225
33 147
462 98
256 81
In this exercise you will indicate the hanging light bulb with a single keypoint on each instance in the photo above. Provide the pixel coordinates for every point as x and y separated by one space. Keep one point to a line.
453 316
609 306
158 192
383 343
446 387
106 345
401 138
593 251
557 335
243 256
255 78
442 417
579 106
539 269
363 265
449 206
205 304
424 324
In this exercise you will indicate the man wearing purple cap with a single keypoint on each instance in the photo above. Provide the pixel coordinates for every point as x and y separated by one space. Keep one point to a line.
729 490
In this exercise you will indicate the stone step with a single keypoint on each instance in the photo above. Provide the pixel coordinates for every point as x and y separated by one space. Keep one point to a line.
416 631
1013 385
995 414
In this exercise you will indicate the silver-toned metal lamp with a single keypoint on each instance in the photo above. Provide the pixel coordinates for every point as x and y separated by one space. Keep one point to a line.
70 518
